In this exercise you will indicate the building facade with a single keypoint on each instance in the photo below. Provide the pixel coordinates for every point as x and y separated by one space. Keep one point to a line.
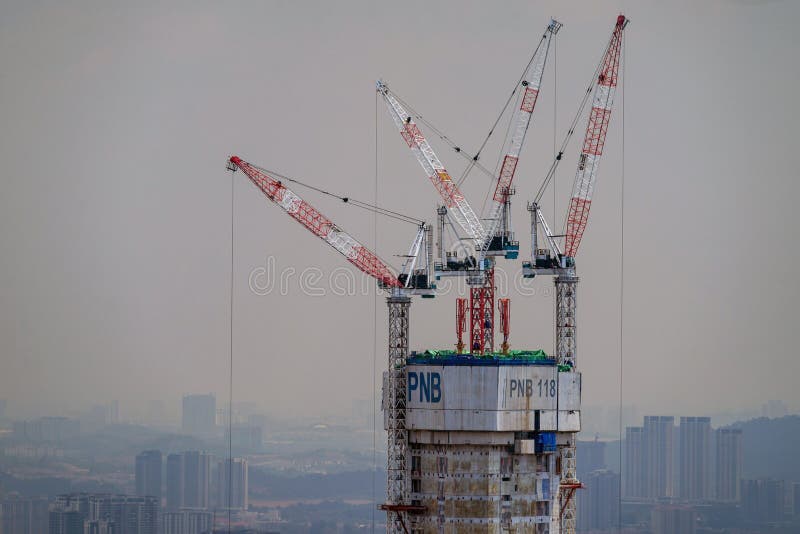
668 519
187 521
763 500
188 480
148 474
694 464
104 513
729 458
199 415
23 515
633 463
489 441
598 502
658 456
232 484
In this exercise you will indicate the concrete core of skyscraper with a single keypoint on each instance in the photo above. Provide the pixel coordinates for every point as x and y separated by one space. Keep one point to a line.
483 441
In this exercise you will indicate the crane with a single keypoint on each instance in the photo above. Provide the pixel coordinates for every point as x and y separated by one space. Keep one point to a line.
499 239
559 261
411 281
480 274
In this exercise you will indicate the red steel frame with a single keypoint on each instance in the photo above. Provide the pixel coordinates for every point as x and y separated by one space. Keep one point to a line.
481 302
461 323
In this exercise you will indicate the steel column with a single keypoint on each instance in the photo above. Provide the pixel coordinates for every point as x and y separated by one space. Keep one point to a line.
397 446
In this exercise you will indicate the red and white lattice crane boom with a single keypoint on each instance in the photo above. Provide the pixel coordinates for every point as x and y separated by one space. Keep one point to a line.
499 235
399 302
319 225
593 142
562 263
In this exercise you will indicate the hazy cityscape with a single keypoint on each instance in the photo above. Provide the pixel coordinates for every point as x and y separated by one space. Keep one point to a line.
308 267
153 473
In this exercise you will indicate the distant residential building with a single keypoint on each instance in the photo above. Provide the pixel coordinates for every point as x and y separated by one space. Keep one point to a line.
729 459
658 456
592 456
245 436
104 514
694 465
796 498
633 463
232 481
188 480
98 526
774 409
187 521
199 416
598 502
148 474
23 515
65 522
51 429
668 519
763 500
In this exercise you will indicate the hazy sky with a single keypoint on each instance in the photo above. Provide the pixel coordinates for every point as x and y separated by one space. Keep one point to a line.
115 205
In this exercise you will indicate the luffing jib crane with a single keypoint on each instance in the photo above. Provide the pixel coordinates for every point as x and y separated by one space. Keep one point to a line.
498 239
561 262
400 289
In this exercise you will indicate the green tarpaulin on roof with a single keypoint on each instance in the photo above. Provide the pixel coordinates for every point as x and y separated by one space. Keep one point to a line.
533 355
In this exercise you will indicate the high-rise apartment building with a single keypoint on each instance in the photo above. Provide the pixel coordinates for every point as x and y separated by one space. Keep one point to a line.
148 474
592 455
188 480
104 513
23 515
694 466
633 463
728 472
199 415
598 502
187 521
670 519
658 456
65 522
232 486
763 500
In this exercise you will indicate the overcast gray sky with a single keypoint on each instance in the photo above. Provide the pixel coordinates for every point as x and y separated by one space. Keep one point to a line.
117 119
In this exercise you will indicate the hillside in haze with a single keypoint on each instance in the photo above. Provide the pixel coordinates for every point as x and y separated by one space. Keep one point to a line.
770 447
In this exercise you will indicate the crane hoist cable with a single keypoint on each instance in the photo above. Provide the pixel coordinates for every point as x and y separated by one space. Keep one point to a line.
502 112
455 146
347 200
472 159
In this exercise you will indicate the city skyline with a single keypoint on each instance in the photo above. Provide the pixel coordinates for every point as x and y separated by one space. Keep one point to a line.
175 298
199 331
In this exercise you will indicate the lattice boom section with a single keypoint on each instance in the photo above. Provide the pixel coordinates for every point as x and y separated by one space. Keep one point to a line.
529 99
576 224
318 224
594 141
411 134
596 131
505 178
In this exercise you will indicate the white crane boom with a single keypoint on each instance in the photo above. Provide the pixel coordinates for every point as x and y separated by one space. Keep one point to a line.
458 206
